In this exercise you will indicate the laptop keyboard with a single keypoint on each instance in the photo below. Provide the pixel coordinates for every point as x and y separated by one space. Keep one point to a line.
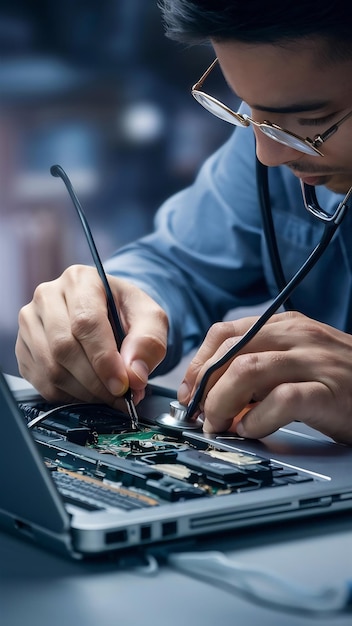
92 494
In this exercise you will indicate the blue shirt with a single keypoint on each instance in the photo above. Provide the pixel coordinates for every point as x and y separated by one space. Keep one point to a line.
208 253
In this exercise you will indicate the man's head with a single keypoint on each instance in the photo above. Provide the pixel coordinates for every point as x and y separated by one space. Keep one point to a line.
291 63
198 21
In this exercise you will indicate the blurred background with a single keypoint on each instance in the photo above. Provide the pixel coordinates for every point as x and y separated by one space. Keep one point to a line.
99 89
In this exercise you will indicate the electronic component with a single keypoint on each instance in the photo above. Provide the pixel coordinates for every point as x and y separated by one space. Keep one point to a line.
79 423
160 463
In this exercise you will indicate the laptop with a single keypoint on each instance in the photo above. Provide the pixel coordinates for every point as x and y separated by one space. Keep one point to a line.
84 483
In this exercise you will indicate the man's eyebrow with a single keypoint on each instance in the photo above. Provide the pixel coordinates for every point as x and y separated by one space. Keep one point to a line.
299 107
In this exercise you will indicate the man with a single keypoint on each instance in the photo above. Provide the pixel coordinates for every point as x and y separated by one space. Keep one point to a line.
291 65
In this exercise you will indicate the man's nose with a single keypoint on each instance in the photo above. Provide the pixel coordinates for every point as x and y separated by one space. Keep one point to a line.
272 153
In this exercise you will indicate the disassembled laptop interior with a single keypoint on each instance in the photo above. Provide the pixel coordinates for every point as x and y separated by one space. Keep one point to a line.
145 467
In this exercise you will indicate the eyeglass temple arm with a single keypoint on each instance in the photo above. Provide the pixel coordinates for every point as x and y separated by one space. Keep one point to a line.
199 84
329 230
319 139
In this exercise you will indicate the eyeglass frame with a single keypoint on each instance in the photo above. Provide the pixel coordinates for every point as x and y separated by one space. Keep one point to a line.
245 120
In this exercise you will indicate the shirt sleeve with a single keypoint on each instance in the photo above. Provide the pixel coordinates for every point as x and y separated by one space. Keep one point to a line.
204 256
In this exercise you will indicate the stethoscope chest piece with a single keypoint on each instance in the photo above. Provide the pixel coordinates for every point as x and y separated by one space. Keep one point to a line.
177 418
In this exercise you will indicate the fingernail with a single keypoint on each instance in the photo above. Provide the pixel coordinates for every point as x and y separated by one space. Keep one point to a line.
206 426
116 387
140 368
183 393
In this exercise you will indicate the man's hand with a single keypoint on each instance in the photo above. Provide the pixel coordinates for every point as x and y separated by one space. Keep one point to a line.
294 369
66 347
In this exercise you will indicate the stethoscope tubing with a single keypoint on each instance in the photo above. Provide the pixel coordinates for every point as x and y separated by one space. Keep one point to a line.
285 289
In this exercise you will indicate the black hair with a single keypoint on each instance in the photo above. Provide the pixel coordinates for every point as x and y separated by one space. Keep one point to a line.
254 21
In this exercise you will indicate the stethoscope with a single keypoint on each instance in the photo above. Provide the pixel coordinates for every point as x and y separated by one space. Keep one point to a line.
269 230
182 417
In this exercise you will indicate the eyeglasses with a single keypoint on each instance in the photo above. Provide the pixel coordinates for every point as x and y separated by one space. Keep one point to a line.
275 132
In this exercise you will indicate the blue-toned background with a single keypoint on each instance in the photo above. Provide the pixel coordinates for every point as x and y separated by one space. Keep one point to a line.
97 88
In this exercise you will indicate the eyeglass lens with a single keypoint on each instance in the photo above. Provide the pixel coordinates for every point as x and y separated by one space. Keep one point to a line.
217 108
277 134
283 137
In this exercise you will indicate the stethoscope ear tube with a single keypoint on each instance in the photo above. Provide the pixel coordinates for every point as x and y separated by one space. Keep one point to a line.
268 228
282 297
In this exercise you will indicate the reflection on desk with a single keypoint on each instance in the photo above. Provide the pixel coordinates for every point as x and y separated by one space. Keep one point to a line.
41 588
